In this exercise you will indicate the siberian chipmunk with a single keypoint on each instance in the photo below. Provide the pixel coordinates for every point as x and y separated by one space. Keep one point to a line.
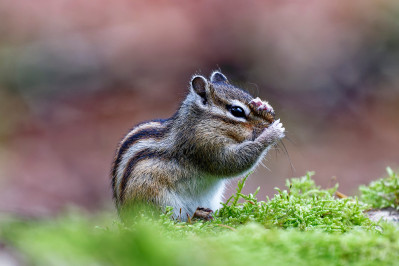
219 132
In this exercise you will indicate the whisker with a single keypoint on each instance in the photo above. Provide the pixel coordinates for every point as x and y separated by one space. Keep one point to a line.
293 170
264 166
278 150
252 87
289 139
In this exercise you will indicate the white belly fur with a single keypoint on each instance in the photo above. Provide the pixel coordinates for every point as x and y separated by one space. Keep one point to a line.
186 201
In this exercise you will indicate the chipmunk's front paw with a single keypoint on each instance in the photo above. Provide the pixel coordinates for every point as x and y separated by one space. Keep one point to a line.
260 105
273 133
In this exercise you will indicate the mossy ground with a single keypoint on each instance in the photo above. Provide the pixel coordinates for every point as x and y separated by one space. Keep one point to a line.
382 193
303 224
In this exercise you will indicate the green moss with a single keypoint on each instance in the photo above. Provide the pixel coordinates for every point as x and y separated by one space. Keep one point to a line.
303 205
74 241
318 230
382 193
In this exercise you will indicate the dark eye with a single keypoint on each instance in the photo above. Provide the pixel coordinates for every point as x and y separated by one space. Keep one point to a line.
236 111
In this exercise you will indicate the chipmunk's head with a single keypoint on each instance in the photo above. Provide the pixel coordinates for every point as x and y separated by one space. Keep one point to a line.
228 111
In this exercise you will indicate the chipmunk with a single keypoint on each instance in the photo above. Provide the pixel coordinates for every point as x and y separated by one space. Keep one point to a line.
219 132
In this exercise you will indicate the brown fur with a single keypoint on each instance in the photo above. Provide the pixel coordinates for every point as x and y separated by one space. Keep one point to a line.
181 160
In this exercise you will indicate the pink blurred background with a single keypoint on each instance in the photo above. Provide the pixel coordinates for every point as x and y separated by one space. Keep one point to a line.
76 75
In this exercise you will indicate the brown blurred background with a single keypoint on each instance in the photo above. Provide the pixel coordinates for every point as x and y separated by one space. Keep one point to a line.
75 75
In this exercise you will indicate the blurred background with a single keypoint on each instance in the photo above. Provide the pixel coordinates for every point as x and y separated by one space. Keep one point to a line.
75 75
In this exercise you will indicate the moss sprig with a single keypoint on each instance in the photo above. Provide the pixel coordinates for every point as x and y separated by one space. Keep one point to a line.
382 193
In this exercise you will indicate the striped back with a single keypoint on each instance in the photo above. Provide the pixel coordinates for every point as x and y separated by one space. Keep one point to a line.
137 145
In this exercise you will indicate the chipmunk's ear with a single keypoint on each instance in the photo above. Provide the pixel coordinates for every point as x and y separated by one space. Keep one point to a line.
218 77
199 85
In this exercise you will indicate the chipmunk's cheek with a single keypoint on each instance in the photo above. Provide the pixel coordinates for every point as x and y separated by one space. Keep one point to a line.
248 127
248 131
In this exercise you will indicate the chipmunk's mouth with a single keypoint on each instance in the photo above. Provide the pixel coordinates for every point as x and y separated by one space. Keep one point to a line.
257 130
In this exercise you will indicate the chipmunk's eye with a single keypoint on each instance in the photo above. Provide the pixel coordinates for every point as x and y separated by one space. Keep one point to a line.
237 111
